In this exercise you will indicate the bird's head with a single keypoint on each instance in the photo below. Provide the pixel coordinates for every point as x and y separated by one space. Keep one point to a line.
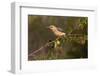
52 27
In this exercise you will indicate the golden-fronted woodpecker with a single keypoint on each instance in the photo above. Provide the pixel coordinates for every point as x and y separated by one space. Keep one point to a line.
57 31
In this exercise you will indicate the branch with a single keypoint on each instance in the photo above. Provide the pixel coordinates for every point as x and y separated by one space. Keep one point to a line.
66 36
32 54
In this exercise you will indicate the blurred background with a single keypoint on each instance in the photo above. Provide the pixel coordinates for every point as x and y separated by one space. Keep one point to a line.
76 45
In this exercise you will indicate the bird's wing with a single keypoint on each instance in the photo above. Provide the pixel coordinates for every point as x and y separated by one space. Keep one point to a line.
59 29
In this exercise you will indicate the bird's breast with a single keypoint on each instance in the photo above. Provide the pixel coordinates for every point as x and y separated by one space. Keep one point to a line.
58 33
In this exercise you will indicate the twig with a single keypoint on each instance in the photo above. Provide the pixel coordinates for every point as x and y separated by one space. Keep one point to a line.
32 54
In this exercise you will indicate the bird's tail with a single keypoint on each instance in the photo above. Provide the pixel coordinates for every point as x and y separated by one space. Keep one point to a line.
64 35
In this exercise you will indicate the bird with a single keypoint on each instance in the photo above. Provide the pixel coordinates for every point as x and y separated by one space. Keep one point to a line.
57 31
